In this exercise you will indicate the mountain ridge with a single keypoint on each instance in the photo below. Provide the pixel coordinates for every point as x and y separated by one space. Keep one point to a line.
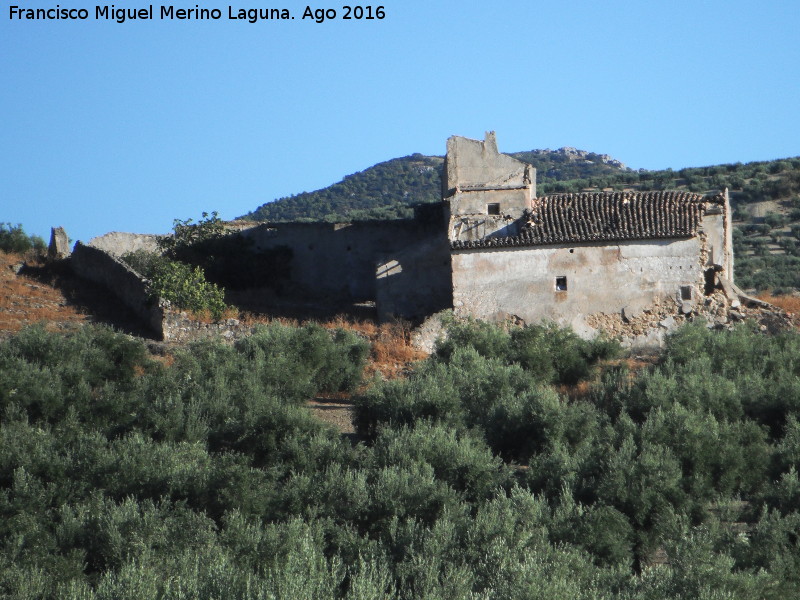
390 189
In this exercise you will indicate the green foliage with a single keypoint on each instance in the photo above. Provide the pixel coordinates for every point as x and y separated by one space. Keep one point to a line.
391 189
145 263
123 478
14 239
186 287
186 234
386 191
179 283
551 354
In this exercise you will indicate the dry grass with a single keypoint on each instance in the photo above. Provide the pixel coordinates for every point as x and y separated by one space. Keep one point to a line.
789 303
24 301
391 352
583 389
205 316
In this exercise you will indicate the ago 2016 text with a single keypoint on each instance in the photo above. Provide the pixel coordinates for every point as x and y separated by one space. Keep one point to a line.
358 13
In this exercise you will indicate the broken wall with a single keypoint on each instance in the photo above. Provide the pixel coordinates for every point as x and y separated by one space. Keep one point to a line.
717 226
478 165
339 261
119 243
101 267
487 193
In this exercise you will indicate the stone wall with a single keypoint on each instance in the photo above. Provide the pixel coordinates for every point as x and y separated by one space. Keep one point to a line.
59 244
169 325
339 261
101 267
416 282
566 284
118 243
180 327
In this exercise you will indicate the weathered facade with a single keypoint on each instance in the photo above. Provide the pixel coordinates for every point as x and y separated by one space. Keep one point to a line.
567 257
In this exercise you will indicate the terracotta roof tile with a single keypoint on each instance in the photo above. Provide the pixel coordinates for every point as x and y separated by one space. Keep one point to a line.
605 216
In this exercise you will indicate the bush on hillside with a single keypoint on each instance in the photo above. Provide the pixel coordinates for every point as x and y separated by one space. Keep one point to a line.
14 239
550 353
206 476
181 284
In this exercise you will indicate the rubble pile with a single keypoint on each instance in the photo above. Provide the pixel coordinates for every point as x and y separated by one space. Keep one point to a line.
667 314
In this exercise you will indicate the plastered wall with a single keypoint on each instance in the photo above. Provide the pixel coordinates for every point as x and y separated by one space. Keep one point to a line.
495 284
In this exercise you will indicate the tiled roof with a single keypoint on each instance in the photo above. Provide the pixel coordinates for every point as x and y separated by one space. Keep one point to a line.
605 216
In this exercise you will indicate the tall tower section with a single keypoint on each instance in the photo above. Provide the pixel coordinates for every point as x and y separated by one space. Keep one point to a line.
487 192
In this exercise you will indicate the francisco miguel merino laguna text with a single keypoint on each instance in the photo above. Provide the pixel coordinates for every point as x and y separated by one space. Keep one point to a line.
169 12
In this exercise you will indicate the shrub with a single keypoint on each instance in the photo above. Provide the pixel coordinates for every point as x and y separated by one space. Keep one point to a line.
463 461
187 288
550 353
227 258
179 283
331 361
14 239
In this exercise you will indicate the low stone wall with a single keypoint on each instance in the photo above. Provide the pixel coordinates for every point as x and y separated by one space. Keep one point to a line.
103 268
179 327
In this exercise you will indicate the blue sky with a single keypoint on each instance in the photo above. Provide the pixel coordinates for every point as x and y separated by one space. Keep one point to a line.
125 127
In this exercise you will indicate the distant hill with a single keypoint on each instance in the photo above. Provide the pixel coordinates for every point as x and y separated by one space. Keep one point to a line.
390 189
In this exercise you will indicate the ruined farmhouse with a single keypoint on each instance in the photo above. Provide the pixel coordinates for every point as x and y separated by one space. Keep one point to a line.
495 250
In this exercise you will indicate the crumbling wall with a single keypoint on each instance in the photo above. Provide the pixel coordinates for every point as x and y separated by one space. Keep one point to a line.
180 327
99 266
118 243
168 324
478 165
59 244
717 226
486 193
339 261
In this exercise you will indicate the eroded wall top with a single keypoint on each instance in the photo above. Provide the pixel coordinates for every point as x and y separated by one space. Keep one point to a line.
477 165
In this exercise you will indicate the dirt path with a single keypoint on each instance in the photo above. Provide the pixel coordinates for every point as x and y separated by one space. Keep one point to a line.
336 412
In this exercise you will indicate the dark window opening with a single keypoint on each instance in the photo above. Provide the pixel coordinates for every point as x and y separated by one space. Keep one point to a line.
711 283
561 284
686 292
493 208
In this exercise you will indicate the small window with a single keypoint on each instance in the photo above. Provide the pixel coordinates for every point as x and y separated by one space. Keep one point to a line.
493 208
686 292
561 284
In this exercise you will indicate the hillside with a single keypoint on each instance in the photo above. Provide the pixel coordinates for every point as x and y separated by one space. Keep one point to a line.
390 189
